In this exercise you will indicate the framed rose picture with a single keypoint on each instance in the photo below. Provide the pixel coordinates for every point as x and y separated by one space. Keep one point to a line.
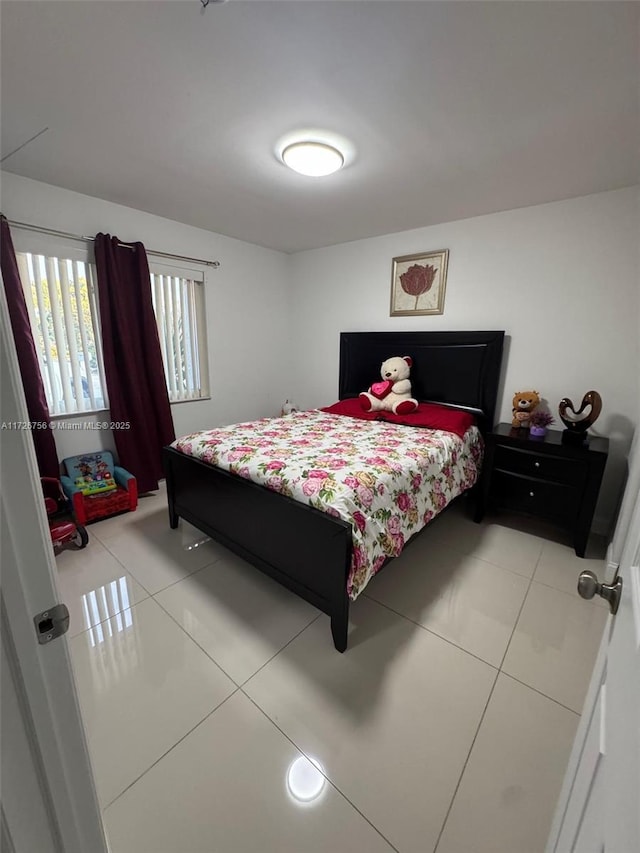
418 283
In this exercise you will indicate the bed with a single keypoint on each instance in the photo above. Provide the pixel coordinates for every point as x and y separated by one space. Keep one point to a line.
307 550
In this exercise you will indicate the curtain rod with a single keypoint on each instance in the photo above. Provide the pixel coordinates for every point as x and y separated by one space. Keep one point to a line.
27 227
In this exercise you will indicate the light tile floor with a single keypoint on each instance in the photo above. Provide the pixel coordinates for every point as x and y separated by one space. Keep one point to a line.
220 718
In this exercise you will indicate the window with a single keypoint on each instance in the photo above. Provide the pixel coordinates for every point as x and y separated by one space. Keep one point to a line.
178 302
62 307
61 299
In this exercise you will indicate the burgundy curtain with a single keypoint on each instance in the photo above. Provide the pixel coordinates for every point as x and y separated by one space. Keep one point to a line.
132 359
37 408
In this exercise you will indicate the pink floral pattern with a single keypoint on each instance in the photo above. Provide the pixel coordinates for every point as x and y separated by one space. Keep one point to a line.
386 480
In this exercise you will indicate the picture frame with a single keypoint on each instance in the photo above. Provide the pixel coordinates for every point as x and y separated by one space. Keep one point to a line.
418 283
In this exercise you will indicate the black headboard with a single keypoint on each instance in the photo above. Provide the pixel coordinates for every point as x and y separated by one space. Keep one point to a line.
460 369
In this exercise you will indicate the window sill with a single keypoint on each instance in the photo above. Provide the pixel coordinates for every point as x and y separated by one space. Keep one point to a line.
74 415
194 400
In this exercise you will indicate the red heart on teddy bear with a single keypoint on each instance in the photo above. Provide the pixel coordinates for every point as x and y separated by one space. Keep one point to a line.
381 389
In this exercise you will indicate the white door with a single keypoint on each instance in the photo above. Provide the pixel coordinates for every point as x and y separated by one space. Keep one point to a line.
599 806
48 795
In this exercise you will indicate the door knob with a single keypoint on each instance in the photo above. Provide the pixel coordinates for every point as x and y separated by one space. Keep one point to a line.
589 585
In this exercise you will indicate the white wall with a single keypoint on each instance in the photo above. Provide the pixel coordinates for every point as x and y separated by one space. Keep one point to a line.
247 303
561 279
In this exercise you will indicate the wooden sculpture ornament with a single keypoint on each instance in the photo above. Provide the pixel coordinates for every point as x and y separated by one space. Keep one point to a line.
573 422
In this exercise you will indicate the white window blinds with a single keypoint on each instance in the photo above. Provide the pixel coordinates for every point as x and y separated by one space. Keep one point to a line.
62 307
178 303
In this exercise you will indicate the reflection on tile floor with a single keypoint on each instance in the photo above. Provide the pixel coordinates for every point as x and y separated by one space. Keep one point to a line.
143 685
94 586
214 700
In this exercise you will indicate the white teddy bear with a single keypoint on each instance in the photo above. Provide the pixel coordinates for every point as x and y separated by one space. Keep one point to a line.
393 394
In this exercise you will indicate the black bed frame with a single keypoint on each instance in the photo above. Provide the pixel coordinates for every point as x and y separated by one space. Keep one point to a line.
302 548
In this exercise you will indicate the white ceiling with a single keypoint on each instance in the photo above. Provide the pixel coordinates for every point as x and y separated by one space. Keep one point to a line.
452 109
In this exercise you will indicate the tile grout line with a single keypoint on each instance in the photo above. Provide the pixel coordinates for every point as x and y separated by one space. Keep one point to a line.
595 602
240 687
366 595
186 577
466 762
524 601
275 654
540 693
193 640
129 572
504 568
499 671
482 559
171 748
119 561
113 616
140 584
330 781
472 555
513 677
237 688
149 595
430 631
233 692
152 596
123 515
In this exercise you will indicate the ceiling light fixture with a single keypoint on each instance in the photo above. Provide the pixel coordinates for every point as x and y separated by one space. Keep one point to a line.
315 159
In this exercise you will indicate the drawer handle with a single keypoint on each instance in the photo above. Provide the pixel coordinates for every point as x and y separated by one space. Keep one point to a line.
532 494
536 464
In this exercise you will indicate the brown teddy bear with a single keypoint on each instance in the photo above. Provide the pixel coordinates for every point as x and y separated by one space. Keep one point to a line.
524 402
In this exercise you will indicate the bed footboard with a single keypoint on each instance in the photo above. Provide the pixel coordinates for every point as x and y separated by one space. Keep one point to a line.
302 548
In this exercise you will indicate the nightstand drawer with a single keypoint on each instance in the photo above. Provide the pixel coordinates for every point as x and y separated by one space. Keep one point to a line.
543 477
551 500
542 465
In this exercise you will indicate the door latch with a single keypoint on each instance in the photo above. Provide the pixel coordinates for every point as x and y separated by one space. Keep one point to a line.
51 623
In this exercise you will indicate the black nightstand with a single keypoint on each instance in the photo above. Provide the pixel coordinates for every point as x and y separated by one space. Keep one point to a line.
543 477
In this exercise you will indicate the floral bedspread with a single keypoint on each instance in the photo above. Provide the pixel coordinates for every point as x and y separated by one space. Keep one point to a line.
386 480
